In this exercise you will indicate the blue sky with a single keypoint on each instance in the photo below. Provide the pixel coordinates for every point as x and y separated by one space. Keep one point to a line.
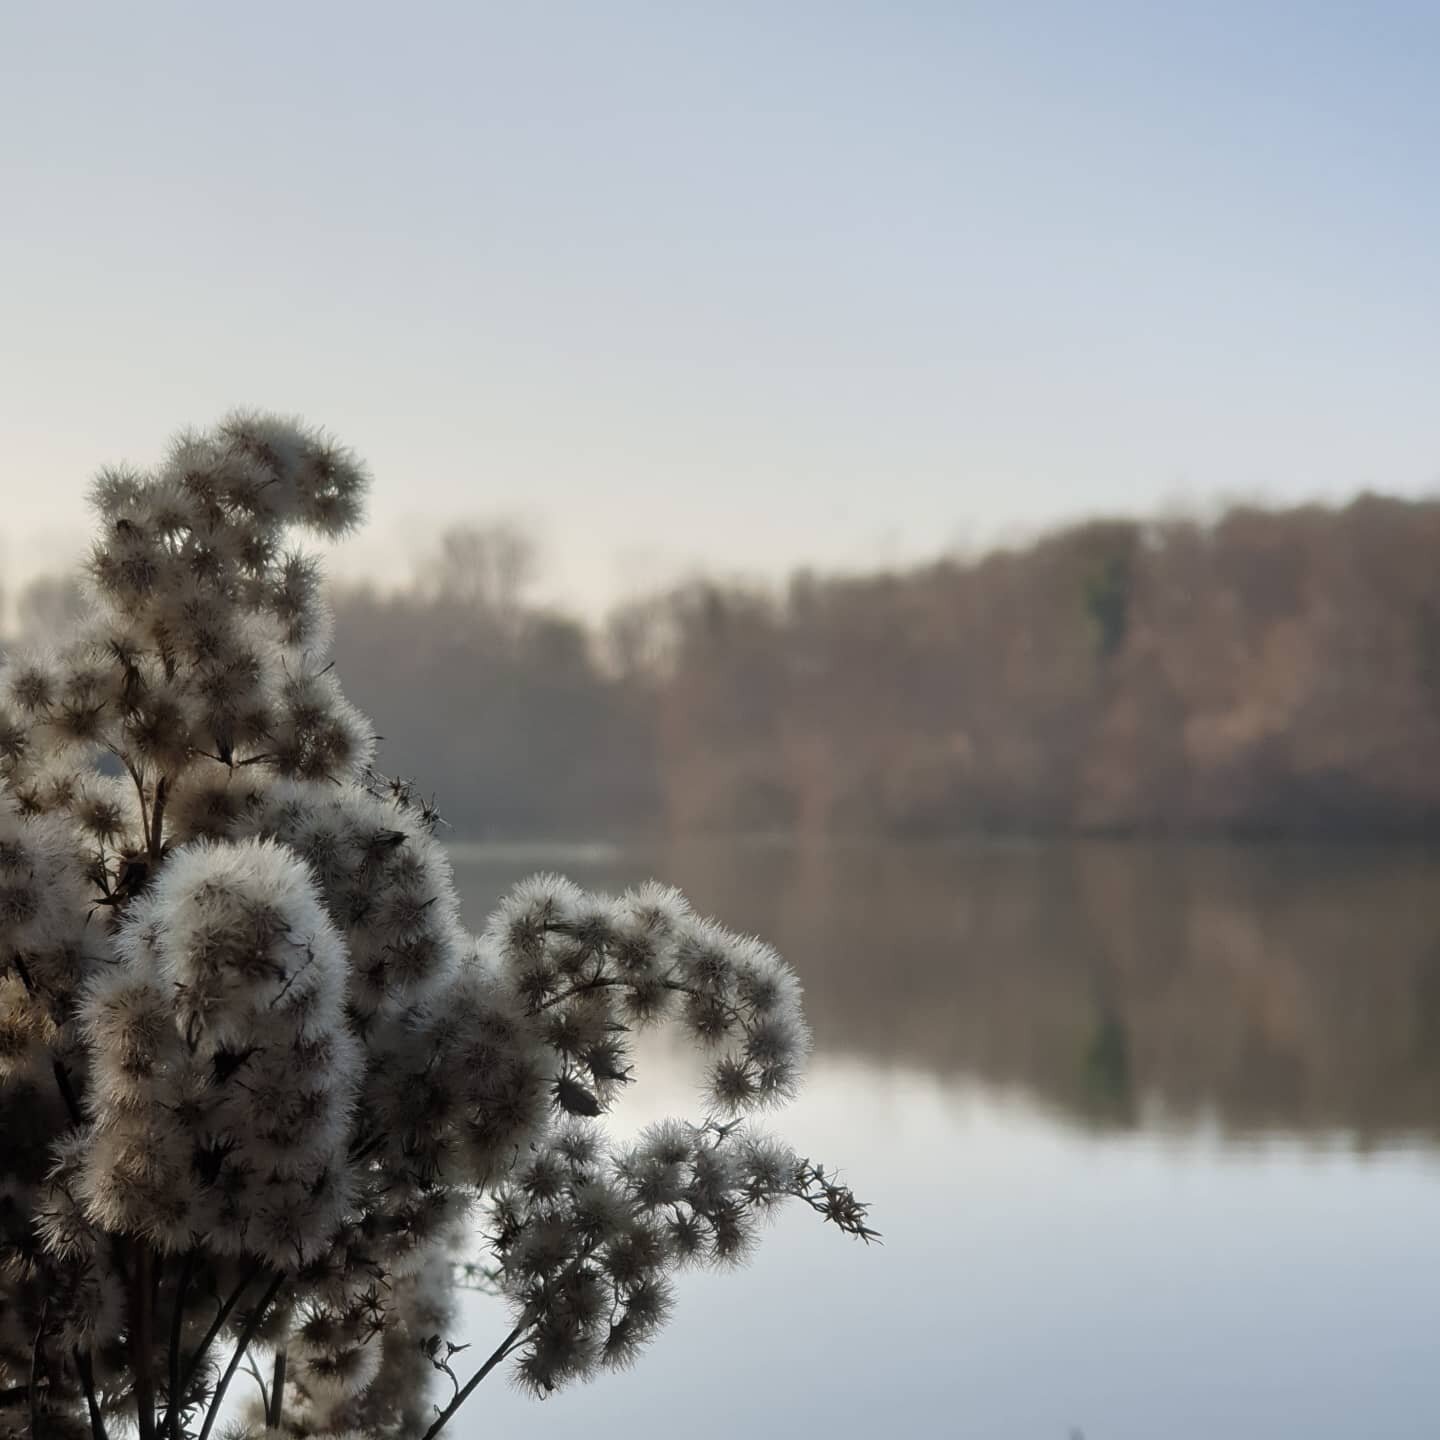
734 285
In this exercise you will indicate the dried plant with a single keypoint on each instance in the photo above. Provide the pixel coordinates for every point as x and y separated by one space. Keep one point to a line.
258 1086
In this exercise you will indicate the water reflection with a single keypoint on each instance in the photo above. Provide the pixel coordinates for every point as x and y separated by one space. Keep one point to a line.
1040 1065
1253 989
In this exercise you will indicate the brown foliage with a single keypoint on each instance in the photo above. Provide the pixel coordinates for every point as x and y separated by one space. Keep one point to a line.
1278 671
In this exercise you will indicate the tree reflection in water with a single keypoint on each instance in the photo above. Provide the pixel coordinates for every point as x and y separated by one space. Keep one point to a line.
1260 989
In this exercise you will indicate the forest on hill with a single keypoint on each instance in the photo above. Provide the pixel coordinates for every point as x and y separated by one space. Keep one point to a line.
1272 672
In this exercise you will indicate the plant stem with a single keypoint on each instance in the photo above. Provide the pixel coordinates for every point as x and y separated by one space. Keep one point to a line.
216 1325
462 1394
87 1379
141 1342
67 1090
35 1355
277 1391
157 820
62 1076
241 1345
177 1324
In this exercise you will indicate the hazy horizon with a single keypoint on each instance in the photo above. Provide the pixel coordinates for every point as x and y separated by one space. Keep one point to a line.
733 289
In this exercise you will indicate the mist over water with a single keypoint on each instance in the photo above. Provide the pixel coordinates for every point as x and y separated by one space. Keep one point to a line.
1151 1133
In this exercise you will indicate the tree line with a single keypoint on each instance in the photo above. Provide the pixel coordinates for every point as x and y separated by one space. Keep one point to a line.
1271 672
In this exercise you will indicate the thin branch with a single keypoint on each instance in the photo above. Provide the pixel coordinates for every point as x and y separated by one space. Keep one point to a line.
241 1346
157 820
463 1393
836 1202
138 779
87 1379
277 1392
253 1371
583 987
617 982
362 1149
216 1325
177 1324
67 1090
442 1364
141 1346
35 1356
62 1075
295 974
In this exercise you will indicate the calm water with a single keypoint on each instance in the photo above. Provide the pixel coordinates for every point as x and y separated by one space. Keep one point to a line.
1152 1136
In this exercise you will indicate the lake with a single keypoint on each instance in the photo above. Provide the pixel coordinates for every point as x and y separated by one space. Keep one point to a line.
1151 1133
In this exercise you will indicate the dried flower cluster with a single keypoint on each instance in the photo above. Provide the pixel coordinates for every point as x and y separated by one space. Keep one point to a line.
257 1083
